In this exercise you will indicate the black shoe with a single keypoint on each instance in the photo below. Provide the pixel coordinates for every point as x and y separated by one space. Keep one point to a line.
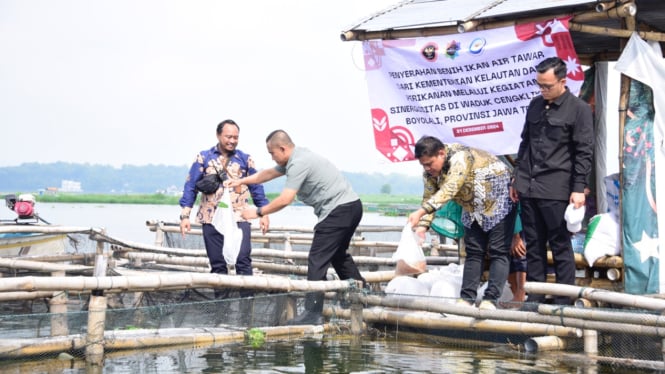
307 318
529 307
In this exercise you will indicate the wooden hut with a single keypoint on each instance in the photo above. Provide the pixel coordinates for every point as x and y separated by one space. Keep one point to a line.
601 31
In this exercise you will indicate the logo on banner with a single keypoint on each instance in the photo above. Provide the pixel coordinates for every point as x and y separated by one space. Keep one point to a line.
393 142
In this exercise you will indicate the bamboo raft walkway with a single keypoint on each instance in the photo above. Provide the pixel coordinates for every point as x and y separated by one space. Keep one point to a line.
118 267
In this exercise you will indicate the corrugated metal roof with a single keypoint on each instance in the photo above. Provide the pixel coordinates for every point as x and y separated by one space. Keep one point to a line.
430 17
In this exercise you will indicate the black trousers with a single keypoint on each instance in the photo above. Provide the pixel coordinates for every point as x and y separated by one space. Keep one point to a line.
496 243
330 243
543 222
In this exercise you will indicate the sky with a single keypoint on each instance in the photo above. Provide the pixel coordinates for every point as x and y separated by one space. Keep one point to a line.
147 81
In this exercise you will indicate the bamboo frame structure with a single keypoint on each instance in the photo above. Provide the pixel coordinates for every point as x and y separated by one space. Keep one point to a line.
192 272
141 339
609 297
475 25
437 321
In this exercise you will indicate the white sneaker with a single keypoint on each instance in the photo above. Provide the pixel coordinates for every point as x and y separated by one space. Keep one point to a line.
462 302
487 305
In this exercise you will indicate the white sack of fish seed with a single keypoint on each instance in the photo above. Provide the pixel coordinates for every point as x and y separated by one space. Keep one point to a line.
441 273
404 285
448 290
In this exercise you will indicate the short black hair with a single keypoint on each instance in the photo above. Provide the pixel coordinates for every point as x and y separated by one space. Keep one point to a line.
428 146
279 137
555 63
221 125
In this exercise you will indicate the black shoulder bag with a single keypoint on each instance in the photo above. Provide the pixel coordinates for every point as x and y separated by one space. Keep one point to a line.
210 183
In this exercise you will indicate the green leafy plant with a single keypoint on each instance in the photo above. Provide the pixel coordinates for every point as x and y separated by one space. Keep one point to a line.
255 337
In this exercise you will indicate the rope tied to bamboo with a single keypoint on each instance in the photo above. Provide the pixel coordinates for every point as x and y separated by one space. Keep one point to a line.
559 310
580 294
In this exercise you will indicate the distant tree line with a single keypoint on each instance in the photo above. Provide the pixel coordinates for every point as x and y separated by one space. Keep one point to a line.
34 177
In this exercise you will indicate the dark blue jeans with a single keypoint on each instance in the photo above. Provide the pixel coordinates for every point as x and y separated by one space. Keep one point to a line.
214 243
496 243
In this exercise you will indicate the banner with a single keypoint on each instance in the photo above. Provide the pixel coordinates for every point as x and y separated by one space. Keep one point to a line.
642 166
470 88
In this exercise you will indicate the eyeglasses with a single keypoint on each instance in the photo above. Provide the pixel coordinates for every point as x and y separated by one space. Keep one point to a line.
547 87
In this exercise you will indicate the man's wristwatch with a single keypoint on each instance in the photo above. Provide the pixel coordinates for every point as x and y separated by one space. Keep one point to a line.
258 212
182 216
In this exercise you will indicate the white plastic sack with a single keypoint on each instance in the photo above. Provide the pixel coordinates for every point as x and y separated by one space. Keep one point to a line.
602 238
225 223
447 289
410 257
404 285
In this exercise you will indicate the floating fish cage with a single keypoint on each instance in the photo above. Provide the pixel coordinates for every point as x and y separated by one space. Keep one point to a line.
117 296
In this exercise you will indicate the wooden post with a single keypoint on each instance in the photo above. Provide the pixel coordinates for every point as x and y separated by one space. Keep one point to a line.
435 245
290 308
58 310
94 348
590 342
462 251
357 326
159 234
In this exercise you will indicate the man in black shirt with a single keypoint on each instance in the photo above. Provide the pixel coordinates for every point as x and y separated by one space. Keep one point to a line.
552 168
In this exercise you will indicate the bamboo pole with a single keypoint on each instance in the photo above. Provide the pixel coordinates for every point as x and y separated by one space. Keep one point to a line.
58 308
450 322
602 262
47 229
619 33
590 341
545 343
294 239
621 11
168 280
375 276
595 294
16 263
12 296
360 35
94 348
61 257
175 227
613 316
553 319
94 337
139 339
440 306
356 316
259 253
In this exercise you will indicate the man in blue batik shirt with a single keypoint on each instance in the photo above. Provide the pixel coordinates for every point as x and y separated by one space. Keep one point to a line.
224 157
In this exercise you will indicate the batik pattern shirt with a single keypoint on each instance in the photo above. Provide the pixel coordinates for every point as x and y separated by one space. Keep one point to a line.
238 165
477 180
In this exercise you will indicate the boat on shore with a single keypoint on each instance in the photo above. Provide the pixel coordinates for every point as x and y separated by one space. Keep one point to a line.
27 234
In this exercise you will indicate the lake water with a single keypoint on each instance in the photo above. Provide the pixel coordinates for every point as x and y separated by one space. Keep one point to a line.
382 353
128 221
